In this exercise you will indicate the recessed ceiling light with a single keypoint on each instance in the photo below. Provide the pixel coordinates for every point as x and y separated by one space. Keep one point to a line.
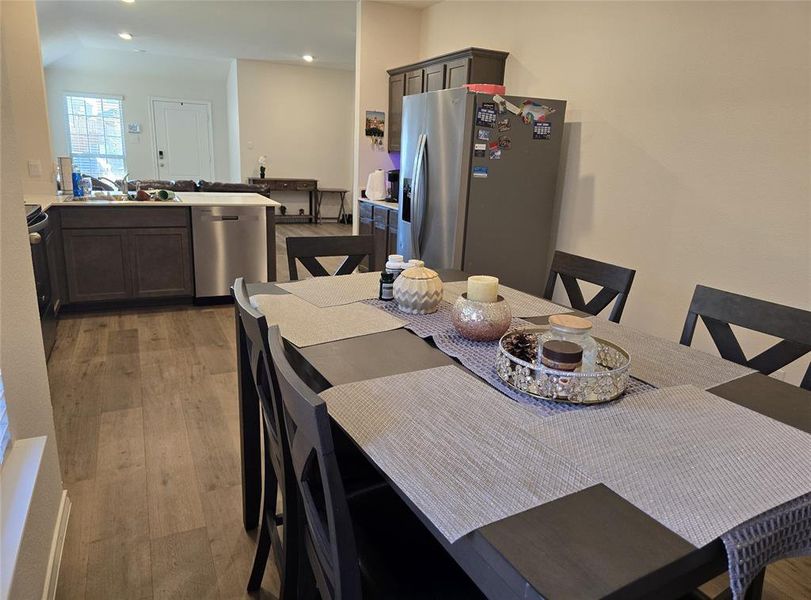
139 50
128 1
308 58
125 36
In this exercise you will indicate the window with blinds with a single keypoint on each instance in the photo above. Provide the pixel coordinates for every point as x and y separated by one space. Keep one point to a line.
5 434
96 135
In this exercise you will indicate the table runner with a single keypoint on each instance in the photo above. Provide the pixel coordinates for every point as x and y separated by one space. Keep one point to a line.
336 290
304 324
663 363
521 303
697 463
463 454
480 357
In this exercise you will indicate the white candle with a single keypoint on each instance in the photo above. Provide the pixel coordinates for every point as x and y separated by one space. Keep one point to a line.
482 288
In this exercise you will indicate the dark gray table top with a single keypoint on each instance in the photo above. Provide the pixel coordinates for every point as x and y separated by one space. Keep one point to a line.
591 544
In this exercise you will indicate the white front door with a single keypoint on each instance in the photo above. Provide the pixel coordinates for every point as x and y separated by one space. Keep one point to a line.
183 139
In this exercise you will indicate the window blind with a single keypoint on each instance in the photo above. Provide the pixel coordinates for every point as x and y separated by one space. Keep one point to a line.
96 134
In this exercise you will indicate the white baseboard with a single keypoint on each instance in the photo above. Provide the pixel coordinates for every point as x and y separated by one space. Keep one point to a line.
58 543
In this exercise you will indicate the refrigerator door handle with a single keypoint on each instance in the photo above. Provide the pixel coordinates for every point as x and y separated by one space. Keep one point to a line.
417 212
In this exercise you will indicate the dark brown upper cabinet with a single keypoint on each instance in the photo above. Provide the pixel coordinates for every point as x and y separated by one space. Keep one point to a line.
434 77
472 65
415 82
396 93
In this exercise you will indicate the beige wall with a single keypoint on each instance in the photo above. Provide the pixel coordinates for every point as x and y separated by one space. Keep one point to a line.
137 77
21 42
688 153
300 117
22 359
387 36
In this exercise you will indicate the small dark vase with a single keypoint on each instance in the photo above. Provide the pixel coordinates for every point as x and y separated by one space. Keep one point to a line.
283 209
261 172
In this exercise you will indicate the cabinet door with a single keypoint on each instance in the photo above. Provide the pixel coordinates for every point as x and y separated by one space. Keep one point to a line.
161 262
97 264
396 91
435 77
415 82
381 237
457 73
392 245
365 227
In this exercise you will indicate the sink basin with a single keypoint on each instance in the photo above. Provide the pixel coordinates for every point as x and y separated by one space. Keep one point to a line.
116 197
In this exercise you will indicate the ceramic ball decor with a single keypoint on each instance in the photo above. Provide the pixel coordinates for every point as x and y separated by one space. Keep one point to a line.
418 290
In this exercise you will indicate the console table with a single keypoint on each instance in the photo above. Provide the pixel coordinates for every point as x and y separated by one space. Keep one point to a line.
278 184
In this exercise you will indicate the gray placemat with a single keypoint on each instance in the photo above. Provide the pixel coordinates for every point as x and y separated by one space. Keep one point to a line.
664 363
336 290
463 453
521 303
698 464
304 324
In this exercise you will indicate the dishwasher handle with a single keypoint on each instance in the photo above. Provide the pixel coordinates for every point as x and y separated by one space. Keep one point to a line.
218 218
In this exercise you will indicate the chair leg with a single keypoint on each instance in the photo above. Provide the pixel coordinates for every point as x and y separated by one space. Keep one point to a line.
755 589
260 560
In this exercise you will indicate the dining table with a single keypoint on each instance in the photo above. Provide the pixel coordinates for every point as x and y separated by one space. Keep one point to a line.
591 543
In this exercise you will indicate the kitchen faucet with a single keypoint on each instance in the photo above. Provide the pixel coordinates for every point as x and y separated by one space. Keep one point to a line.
123 187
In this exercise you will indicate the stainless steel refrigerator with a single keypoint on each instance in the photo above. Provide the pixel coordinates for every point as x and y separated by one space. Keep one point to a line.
477 185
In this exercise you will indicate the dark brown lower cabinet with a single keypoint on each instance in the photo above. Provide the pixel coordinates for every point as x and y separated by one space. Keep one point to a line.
161 262
365 227
381 235
392 246
97 263
126 253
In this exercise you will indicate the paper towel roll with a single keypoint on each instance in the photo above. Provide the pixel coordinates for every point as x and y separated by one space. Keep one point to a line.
376 185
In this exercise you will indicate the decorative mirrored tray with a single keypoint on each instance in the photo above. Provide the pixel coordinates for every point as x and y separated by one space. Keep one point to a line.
606 383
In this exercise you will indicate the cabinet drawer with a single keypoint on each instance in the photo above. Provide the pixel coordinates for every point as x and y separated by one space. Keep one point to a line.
105 217
295 185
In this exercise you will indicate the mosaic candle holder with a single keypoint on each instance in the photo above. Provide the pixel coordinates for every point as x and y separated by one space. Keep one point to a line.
481 321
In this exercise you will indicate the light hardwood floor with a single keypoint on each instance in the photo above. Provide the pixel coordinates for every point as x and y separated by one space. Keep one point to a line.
146 422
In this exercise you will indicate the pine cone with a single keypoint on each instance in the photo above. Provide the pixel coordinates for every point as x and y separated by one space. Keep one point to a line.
522 346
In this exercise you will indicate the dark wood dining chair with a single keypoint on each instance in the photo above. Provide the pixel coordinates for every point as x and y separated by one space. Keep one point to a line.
719 309
365 545
308 249
615 281
278 469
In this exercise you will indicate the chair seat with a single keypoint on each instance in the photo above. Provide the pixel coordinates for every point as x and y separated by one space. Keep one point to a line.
399 558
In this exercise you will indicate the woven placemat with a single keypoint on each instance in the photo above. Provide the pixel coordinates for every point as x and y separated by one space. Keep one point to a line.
304 324
463 453
521 303
698 464
336 290
664 363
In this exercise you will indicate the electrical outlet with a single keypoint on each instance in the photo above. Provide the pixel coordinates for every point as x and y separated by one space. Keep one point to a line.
34 168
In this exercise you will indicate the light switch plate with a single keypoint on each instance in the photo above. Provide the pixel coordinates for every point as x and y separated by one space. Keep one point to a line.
34 168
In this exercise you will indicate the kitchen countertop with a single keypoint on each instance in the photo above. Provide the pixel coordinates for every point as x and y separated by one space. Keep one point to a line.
184 199
389 205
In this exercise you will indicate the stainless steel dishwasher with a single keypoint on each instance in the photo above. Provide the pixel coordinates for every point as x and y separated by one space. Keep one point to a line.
229 242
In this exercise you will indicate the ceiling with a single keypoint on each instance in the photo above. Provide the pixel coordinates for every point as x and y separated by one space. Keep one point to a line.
270 30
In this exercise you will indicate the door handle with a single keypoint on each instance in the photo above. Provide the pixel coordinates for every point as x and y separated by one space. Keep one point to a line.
416 178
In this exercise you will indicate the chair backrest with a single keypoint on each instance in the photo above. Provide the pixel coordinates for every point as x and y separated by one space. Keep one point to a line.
615 281
308 249
257 333
718 309
329 537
